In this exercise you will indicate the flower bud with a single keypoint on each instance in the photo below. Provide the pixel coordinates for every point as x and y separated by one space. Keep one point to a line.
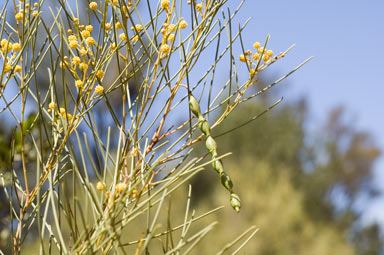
226 181
211 145
120 187
194 105
100 186
235 202
218 166
204 127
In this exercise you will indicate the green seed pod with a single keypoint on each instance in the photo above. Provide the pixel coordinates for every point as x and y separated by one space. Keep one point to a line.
226 181
235 202
204 127
194 105
211 145
218 166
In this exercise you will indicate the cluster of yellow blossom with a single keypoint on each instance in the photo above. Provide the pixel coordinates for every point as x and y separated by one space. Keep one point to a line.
64 114
168 32
199 7
99 89
24 8
100 186
123 37
266 54
87 38
81 44
260 54
8 68
124 8
165 4
52 105
165 48
119 188
6 47
73 44
79 84
183 24
93 6
137 27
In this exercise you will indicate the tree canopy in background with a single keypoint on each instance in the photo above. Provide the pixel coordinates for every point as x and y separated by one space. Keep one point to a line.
290 177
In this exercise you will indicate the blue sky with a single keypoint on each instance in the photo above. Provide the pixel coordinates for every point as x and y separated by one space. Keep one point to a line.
347 40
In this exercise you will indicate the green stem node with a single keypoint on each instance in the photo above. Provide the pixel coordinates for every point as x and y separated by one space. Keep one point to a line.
235 202
226 181
204 127
211 145
218 166
194 106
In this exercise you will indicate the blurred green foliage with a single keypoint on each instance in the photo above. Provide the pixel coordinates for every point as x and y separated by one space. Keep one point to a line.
289 177
286 176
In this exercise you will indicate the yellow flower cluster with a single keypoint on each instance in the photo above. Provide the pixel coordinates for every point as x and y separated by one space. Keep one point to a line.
183 24
100 74
79 84
6 46
171 37
52 105
123 37
100 186
165 4
76 60
64 114
121 187
17 68
199 7
93 6
138 28
165 48
86 34
90 41
261 52
168 33
118 25
20 15
7 68
99 89
266 54
172 28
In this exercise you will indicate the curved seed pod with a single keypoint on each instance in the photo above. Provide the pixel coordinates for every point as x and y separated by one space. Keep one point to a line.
194 106
218 166
235 202
226 181
212 148
204 127
211 145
